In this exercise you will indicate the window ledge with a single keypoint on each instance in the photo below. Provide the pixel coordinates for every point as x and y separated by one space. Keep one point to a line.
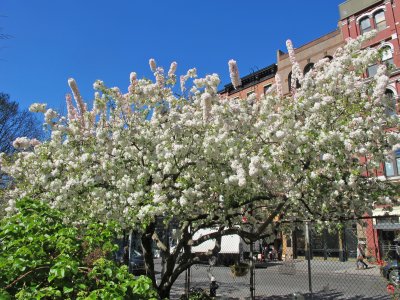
390 178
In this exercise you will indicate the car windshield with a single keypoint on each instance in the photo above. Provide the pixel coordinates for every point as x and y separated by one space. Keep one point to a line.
136 253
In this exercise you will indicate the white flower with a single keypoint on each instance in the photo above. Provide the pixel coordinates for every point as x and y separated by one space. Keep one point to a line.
327 157
98 85
38 107
280 134
152 64
21 143
234 73
254 165
34 142
206 102
172 69
133 77
50 115
278 83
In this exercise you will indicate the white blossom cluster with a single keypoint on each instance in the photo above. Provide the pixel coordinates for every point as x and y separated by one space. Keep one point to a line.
150 153
38 107
234 73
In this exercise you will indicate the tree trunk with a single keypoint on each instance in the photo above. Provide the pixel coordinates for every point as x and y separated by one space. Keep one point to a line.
163 292
148 254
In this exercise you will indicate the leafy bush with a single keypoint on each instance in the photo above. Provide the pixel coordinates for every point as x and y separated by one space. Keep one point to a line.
196 294
42 258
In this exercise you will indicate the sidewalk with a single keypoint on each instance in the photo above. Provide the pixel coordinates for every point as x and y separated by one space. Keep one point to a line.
321 266
371 271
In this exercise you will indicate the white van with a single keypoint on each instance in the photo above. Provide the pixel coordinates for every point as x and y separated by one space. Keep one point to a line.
233 248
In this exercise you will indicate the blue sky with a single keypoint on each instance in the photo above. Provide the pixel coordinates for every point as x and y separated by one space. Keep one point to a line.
88 40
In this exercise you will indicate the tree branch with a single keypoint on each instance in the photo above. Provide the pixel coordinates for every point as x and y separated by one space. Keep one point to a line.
26 274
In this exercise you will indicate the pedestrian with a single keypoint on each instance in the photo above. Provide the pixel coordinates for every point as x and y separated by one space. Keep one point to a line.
213 287
273 254
266 251
361 256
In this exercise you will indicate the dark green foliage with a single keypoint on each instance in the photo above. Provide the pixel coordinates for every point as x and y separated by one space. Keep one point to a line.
196 294
42 258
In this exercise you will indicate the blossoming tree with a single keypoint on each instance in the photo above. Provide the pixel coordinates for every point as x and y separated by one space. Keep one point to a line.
150 155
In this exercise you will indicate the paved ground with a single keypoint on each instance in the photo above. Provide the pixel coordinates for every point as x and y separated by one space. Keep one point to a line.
276 281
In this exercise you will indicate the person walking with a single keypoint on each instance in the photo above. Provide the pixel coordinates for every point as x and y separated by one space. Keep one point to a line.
361 256
213 287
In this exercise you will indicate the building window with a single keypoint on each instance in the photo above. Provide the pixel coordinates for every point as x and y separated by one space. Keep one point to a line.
390 103
250 93
387 56
365 25
266 88
392 166
380 21
308 68
372 70
290 82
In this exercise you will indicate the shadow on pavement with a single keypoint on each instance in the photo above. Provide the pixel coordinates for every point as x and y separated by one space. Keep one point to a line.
331 295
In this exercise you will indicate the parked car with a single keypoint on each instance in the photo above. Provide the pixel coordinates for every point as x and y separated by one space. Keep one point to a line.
137 265
391 271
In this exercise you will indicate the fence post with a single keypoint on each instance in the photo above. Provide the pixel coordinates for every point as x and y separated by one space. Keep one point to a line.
342 244
308 246
187 282
325 233
294 242
252 287
187 274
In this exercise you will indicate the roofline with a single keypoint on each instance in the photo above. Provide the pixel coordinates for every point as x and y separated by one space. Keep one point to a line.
311 43
351 7
228 88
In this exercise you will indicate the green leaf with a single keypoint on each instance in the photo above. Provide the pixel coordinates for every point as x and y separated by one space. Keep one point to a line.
52 275
68 290
61 273
108 271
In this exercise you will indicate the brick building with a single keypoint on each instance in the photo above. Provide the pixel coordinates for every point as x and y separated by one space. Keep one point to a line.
358 17
307 55
257 82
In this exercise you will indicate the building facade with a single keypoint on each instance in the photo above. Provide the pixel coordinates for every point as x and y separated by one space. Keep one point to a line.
356 18
307 55
256 83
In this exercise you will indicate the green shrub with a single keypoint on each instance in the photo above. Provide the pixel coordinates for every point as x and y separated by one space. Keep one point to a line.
42 258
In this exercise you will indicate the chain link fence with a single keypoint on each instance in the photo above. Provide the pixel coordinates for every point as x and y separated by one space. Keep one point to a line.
356 262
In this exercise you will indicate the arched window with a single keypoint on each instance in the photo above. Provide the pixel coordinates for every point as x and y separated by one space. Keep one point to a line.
392 166
379 20
308 68
390 103
290 82
387 55
365 25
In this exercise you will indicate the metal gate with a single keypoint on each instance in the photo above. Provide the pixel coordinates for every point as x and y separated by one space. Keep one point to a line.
313 263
